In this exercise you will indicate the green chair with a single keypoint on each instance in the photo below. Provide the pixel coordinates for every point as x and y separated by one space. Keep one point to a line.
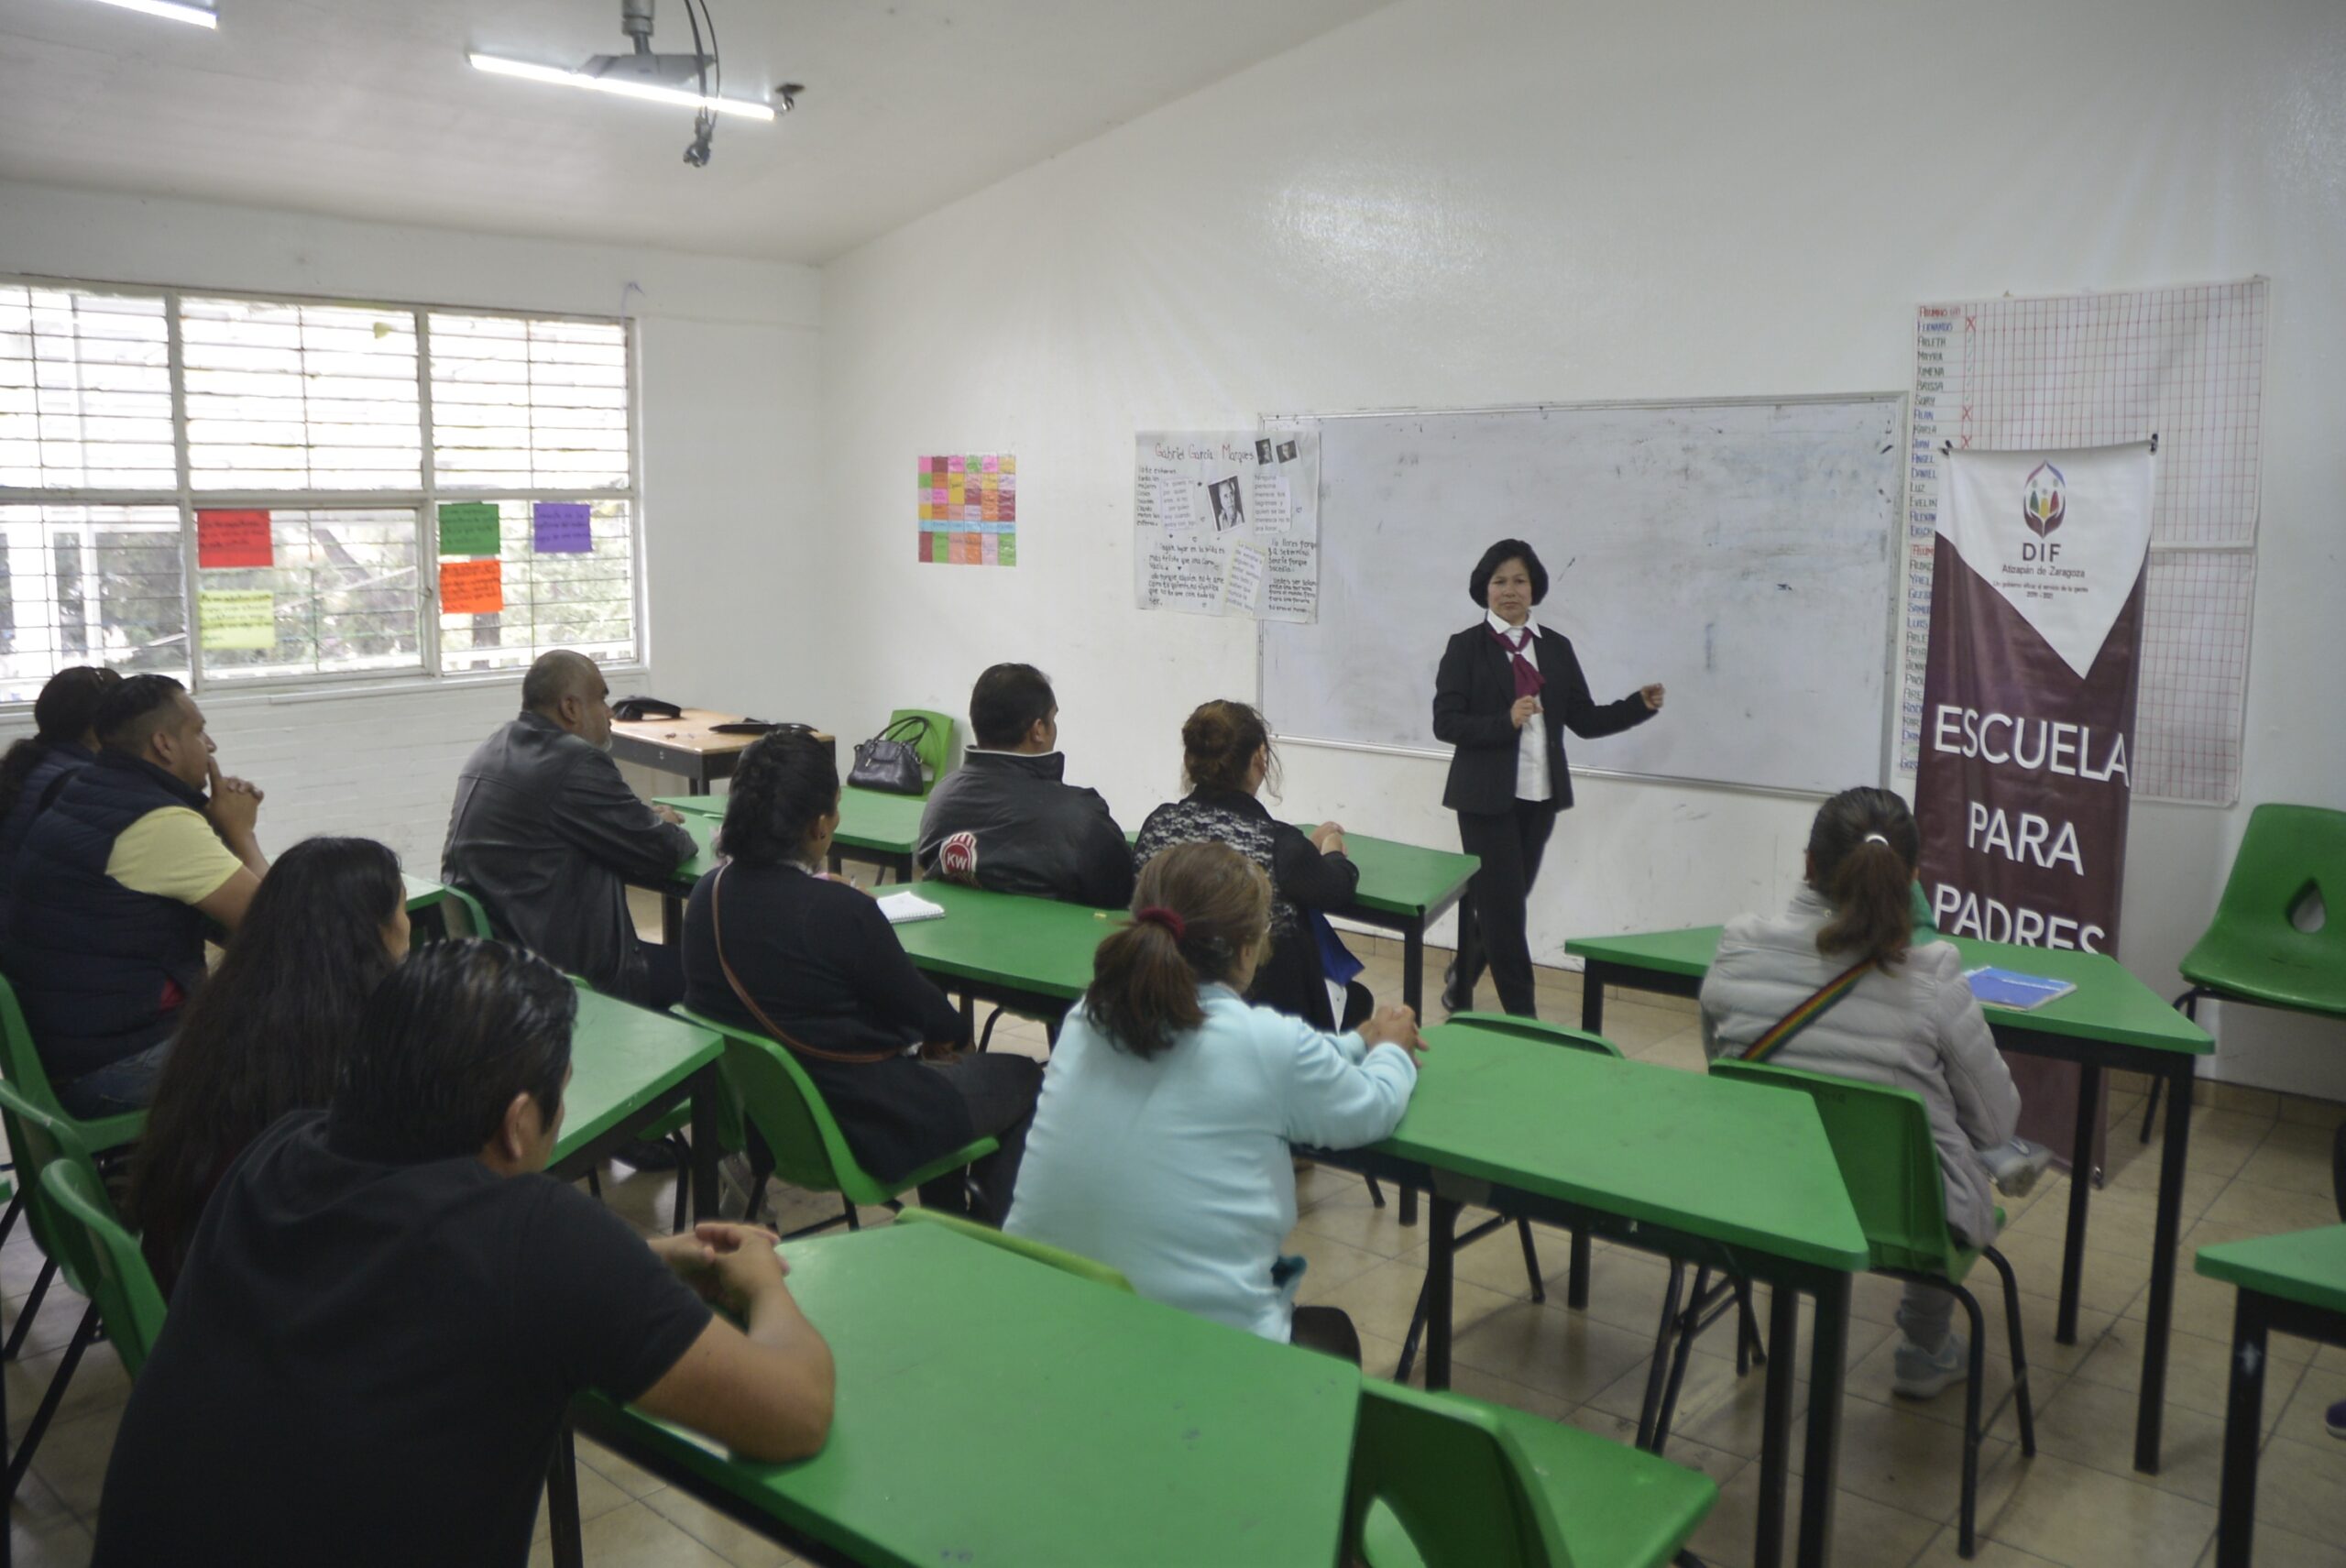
2292 863
1041 1252
447 912
21 1069
1525 1029
1444 1481
122 1286
802 1138
42 1142
934 743
1882 1138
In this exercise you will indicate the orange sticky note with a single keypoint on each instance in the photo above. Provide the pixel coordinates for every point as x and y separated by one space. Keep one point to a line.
472 588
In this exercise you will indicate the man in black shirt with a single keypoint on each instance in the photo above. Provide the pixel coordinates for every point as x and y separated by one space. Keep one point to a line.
389 1306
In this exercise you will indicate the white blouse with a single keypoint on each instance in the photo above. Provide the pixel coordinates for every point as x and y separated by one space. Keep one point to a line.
1532 780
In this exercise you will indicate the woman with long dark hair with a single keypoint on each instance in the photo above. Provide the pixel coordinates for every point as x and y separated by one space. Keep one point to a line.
773 945
264 1035
64 741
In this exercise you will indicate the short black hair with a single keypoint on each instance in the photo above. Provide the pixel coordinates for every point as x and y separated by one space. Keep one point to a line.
555 676
1005 703
129 714
1478 586
443 1046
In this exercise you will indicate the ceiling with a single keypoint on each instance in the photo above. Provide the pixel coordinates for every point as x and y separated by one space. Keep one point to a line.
367 109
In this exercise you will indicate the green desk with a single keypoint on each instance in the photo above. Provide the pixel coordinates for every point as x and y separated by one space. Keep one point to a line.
1030 955
2295 1283
875 828
1718 1173
2111 1020
628 1067
994 1411
1404 888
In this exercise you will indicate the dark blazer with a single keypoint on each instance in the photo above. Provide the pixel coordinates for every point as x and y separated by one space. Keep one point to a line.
1472 692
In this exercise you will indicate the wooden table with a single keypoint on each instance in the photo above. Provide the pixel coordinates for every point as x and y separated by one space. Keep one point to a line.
994 1410
1717 1173
688 746
2295 1283
2111 1020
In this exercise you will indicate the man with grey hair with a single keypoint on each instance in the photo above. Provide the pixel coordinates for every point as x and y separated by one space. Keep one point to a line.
547 835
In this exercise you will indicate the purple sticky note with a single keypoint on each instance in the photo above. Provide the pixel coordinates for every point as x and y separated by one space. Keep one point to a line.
560 527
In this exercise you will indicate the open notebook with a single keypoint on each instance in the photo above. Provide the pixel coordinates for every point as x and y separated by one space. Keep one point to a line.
901 908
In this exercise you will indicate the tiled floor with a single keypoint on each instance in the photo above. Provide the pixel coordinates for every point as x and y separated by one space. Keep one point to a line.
2258 1163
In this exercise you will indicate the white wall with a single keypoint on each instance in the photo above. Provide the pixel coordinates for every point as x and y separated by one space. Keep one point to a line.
726 368
1454 203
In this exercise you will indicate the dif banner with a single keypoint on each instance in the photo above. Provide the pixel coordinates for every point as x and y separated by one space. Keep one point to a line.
2028 709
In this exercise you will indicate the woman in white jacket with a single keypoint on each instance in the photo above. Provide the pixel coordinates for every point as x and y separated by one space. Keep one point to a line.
1161 1143
1909 1021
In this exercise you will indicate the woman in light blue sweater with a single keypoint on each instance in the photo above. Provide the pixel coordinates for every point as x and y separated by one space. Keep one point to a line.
1161 1142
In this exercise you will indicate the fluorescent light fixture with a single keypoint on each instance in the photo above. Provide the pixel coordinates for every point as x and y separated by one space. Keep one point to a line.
498 65
201 17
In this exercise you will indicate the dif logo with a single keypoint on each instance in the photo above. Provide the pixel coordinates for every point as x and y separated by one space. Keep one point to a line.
2045 502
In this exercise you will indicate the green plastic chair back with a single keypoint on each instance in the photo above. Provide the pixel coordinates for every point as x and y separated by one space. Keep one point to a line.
40 1139
1881 1138
458 912
118 1281
2254 950
935 748
20 1065
1041 1252
784 1104
1538 1029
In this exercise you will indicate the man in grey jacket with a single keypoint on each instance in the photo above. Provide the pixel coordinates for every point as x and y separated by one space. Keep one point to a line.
547 835
1008 819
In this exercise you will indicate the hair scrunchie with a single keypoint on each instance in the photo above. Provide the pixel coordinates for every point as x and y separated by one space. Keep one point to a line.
1157 914
1875 839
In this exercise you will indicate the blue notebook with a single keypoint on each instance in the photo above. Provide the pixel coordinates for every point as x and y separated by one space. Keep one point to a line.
2011 988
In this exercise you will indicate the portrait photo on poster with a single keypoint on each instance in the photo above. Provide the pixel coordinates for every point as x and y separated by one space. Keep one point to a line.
1262 449
1228 512
1287 451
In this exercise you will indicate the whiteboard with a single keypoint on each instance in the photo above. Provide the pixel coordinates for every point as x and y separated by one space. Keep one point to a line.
1738 551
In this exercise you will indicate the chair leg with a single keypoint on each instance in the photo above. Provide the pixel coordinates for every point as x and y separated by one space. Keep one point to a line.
1417 1331
2023 1406
848 1204
2150 1111
26 1312
84 1334
985 1036
8 1221
1659 1369
1974 1390
1375 1194
1750 1350
595 1185
1530 1260
1682 1353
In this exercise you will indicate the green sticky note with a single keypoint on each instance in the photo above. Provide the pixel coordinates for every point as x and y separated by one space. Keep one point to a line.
236 619
1007 551
468 528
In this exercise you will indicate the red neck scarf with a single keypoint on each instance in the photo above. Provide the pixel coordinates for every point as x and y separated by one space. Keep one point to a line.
1527 673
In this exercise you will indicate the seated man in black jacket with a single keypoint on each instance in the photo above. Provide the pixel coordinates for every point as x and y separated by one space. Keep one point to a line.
547 835
1008 820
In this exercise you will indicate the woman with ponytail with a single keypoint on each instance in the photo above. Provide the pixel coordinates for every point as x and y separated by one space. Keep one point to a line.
1836 984
773 945
1162 1144
64 741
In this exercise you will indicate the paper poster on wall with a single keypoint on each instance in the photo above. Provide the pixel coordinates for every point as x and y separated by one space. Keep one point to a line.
231 539
1226 522
472 588
236 619
469 528
562 528
967 509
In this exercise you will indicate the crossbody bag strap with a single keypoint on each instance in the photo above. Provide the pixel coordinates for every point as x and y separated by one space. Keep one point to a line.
1817 1003
742 992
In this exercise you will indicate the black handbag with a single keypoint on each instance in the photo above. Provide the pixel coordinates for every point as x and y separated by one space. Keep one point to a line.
890 761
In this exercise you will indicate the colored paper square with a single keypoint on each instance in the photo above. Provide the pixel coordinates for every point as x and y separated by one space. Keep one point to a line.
230 539
937 494
941 547
989 553
562 528
969 513
236 619
993 464
469 528
926 464
472 588
953 465
1010 509
1007 552
1009 463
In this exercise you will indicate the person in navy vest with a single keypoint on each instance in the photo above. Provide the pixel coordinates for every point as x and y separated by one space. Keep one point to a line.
116 887
64 741
1499 682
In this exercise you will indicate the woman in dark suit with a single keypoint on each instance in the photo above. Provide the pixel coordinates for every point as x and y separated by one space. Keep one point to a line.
1500 680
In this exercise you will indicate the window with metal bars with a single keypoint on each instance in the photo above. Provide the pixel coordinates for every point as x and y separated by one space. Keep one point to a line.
240 490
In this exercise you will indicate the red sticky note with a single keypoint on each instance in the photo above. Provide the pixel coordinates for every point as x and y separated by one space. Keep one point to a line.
472 588
232 539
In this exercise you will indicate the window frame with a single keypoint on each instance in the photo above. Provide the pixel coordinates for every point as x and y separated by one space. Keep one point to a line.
425 497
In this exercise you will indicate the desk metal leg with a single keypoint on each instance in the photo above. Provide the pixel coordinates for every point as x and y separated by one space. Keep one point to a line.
1413 994
1776 1425
671 921
2164 1243
1576 1280
705 1088
2243 1428
2073 1246
1592 999
1442 1224
1827 1355
562 1502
